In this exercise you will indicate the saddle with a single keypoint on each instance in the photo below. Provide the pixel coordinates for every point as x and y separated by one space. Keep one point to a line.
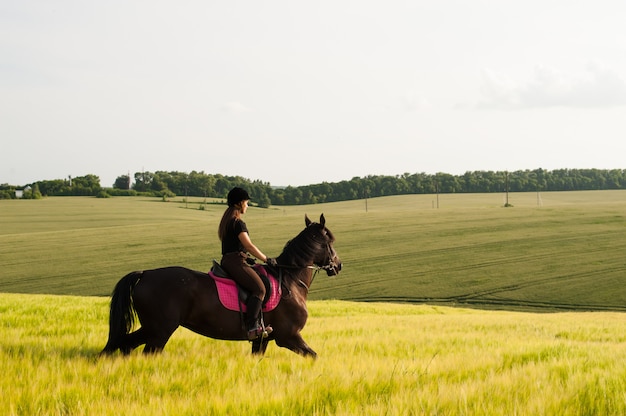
233 297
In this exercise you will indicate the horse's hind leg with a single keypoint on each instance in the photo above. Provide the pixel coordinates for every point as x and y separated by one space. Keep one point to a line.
133 340
157 338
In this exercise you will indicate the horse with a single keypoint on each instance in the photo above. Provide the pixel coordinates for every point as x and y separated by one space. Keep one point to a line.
165 298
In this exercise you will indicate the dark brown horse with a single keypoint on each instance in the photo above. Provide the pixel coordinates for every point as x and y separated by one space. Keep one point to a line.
164 299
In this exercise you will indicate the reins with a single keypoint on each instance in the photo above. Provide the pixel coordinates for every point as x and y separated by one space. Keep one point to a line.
280 268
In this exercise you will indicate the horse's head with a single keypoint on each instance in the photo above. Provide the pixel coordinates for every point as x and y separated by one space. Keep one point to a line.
325 255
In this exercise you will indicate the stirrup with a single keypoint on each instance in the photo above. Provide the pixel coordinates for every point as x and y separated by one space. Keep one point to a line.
259 331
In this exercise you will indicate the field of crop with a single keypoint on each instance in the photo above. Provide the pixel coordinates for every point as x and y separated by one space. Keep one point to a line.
374 359
554 251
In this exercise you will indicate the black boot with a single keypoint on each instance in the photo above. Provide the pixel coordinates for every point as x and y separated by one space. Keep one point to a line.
255 330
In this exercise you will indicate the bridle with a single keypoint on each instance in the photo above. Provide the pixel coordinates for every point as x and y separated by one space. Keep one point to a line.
331 262
331 265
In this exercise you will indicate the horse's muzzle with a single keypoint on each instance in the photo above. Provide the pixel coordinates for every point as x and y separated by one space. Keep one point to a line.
334 268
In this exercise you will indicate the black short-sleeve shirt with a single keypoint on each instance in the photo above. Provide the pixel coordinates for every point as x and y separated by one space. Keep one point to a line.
230 242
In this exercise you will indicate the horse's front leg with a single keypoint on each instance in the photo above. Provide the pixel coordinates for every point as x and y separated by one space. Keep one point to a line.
259 345
296 344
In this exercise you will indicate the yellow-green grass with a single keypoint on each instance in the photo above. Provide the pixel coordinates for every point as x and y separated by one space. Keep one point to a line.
559 250
374 358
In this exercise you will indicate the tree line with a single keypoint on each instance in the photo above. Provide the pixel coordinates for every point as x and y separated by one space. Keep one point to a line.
169 184
88 185
470 182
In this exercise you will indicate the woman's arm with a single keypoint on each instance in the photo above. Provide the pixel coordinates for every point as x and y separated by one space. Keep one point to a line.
244 237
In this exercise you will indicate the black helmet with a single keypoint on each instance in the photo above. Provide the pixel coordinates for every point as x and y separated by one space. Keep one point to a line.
236 195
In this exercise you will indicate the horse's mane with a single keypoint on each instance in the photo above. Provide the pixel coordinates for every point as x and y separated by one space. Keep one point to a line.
303 248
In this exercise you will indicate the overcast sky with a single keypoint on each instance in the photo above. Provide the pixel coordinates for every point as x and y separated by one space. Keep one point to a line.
297 93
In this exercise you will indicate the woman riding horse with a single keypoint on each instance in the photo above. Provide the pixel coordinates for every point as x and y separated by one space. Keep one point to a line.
164 299
236 245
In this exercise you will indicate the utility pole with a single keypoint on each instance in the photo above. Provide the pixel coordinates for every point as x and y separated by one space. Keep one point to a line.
506 187
506 180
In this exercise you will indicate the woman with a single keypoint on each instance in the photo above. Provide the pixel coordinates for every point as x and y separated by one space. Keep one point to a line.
236 245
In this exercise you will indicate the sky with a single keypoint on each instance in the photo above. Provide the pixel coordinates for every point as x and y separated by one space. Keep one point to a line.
298 93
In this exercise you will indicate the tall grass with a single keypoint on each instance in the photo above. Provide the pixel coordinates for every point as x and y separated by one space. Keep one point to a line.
373 359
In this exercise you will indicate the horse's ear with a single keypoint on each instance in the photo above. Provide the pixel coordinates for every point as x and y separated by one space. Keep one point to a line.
307 221
322 220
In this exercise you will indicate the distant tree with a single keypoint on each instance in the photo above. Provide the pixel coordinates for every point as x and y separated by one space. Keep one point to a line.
264 200
7 191
85 185
53 187
143 180
33 192
122 182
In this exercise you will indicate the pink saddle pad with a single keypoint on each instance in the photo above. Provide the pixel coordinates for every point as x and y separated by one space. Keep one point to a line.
227 291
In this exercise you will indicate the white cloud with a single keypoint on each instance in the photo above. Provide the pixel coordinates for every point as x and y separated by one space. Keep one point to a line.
599 86
413 103
235 107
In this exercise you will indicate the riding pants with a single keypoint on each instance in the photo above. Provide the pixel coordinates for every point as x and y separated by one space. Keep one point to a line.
235 265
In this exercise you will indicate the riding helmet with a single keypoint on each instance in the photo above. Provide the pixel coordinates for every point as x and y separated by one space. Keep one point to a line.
236 195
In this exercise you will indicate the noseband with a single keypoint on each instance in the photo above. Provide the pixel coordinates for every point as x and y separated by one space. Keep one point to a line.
331 262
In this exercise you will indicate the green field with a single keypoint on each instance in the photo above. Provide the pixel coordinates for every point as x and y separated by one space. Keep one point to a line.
556 252
553 251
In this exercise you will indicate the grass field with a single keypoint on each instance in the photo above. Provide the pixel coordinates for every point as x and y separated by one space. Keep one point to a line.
553 251
549 253
374 359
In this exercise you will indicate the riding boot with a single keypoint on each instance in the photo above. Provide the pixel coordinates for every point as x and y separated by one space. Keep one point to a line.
255 330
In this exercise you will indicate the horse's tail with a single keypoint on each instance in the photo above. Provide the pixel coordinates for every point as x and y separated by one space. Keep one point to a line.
122 314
